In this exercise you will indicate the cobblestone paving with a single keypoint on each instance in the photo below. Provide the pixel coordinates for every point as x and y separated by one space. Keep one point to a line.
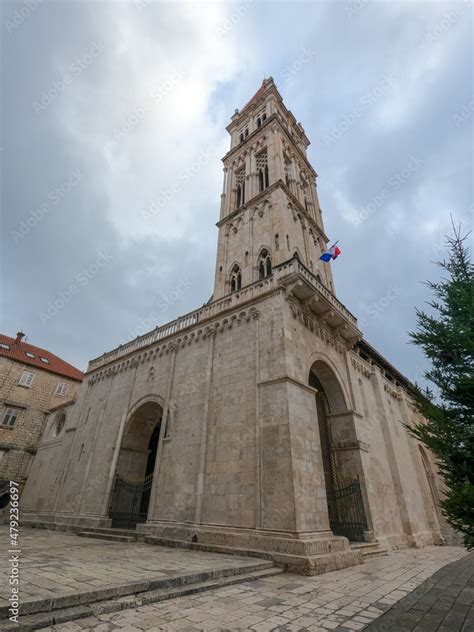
345 600
444 602
54 563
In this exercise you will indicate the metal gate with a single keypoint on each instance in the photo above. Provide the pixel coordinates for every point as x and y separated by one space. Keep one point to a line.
129 504
347 513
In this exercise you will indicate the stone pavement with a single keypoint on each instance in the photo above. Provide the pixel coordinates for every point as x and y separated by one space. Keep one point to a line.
345 600
444 602
55 564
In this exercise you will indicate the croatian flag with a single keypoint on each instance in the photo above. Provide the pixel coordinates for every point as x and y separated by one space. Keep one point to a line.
332 253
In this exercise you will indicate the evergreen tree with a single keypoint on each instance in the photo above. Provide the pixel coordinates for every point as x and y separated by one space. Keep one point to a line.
446 336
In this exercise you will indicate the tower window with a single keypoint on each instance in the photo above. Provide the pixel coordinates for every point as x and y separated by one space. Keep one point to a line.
241 138
264 265
236 279
259 122
262 170
240 191
264 117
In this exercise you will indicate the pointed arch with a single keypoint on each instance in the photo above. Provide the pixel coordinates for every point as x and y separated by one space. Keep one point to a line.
264 263
235 279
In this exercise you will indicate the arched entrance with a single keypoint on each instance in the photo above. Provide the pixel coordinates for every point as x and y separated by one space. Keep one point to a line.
135 467
343 492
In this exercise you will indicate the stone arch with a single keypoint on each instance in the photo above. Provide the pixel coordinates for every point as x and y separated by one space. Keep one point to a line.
136 462
431 478
331 381
340 451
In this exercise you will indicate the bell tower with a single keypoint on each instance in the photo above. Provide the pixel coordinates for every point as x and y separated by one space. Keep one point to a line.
269 204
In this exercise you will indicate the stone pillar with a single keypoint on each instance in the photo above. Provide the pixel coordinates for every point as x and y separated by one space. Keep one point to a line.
211 334
224 194
164 434
401 494
118 445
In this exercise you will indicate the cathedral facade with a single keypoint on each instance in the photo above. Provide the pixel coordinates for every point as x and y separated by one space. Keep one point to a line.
261 423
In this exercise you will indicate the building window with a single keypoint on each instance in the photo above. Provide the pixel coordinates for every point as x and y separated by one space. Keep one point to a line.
264 265
10 417
4 346
45 360
29 354
60 424
262 170
26 379
236 279
61 389
240 187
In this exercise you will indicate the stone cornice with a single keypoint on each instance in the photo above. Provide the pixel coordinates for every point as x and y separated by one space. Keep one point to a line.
200 332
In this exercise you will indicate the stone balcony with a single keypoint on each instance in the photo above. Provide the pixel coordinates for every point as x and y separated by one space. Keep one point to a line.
292 274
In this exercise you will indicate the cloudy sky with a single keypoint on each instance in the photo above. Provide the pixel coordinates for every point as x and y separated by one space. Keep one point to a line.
113 127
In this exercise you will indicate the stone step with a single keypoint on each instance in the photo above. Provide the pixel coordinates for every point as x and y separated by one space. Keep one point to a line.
369 550
63 615
108 535
118 591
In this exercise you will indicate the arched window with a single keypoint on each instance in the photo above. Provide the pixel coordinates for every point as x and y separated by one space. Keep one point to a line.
264 264
262 170
61 420
264 117
259 122
236 279
240 187
241 138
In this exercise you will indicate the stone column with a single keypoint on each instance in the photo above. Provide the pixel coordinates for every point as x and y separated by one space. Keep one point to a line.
200 482
118 445
400 493
224 194
93 444
164 434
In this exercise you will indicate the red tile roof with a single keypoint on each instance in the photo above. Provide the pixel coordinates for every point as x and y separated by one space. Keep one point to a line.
17 351
256 96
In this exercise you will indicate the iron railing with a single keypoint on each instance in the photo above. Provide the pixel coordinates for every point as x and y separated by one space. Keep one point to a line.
347 513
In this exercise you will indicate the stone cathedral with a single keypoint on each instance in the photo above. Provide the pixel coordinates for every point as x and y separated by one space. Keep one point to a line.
262 423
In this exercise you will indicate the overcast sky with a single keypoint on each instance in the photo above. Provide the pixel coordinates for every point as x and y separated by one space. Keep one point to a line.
113 127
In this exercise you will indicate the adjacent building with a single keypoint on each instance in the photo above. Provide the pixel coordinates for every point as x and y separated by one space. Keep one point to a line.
262 422
32 381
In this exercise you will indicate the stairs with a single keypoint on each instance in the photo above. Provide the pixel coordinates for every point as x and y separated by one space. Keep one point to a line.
114 535
46 613
369 550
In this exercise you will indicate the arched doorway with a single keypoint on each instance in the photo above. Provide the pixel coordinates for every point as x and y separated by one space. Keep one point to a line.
431 479
135 467
343 492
